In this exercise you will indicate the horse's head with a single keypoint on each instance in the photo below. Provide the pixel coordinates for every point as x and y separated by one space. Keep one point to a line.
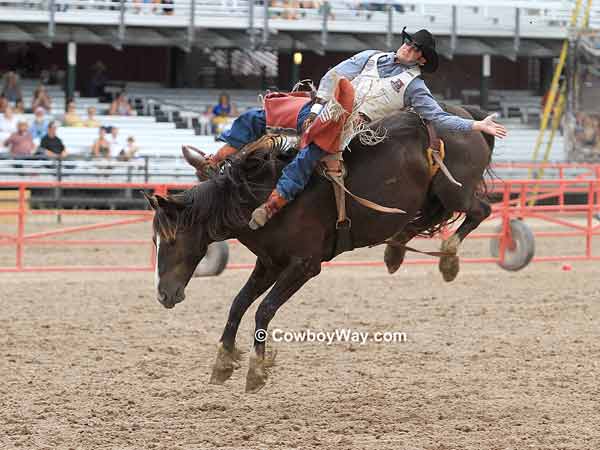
181 242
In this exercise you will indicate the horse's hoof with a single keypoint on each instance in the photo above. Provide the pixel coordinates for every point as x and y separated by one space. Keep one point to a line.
225 363
393 257
451 244
257 375
449 267
220 375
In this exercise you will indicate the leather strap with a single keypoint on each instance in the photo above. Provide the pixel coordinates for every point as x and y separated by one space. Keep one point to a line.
368 203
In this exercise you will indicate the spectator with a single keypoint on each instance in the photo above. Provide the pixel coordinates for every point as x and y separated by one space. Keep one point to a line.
52 146
20 106
3 103
41 99
121 107
168 8
222 112
8 123
129 151
39 126
91 121
20 143
72 119
101 147
55 75
11 89
144 9
205 122
98 80
116 145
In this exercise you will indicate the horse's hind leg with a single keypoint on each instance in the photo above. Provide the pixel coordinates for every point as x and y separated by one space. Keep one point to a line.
228 356
396 250
295 275
474 215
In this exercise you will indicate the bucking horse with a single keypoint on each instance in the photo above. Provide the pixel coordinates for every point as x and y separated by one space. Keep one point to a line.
292 246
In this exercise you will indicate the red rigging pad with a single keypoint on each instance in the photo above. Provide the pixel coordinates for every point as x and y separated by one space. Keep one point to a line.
281 109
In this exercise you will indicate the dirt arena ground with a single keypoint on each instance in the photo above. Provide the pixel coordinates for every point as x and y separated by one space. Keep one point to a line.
494 360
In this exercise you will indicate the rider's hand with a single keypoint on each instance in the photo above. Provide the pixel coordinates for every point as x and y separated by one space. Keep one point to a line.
309 120
488 126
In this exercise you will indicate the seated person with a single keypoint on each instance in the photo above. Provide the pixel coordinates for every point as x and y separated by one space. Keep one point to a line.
12 89
41 99
52 146
129 151
121 107
116 143
20 106
20 143
8 123
3 103
101 147
39 126
222 113
91 121
72 119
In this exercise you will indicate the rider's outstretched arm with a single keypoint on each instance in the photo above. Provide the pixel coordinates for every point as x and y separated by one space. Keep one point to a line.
419 97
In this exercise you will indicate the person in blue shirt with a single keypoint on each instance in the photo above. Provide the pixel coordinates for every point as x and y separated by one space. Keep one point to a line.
39 125
395 75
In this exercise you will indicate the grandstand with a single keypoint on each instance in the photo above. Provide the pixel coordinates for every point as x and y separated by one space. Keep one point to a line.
185 58
172 116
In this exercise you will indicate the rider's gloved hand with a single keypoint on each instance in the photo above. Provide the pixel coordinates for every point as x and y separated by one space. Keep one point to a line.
309 120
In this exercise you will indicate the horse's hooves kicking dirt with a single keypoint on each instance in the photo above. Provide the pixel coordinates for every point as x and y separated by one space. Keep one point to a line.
393 257
225 363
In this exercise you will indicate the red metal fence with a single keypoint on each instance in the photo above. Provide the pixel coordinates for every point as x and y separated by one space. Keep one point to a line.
516 201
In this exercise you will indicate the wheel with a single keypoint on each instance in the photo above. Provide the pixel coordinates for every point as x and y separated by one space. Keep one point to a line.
520 254
215 260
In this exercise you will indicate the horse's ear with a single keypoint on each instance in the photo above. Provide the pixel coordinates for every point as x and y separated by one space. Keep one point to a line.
193 156
169 204
151 199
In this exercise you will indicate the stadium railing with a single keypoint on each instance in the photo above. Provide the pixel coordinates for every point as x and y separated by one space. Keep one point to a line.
535 19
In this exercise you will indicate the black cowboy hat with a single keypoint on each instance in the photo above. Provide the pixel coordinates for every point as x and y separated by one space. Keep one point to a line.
425 42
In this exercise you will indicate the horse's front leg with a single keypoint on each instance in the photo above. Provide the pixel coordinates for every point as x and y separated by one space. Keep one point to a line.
293 277
227 360
449 264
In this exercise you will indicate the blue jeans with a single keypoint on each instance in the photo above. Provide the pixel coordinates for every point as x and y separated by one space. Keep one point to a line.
297 173
295 176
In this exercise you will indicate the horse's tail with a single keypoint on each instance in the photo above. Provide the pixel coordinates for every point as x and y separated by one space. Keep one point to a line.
479 114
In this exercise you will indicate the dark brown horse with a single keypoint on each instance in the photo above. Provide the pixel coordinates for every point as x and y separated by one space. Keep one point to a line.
291 248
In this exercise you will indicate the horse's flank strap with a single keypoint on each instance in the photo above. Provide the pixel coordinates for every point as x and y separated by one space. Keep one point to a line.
436 154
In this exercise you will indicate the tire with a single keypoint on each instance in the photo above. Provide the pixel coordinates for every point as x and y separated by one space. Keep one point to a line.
519 257
215 260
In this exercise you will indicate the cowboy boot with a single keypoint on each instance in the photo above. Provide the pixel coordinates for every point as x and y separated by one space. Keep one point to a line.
268 209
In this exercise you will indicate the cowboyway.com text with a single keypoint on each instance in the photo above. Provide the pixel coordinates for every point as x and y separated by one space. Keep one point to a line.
340 335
